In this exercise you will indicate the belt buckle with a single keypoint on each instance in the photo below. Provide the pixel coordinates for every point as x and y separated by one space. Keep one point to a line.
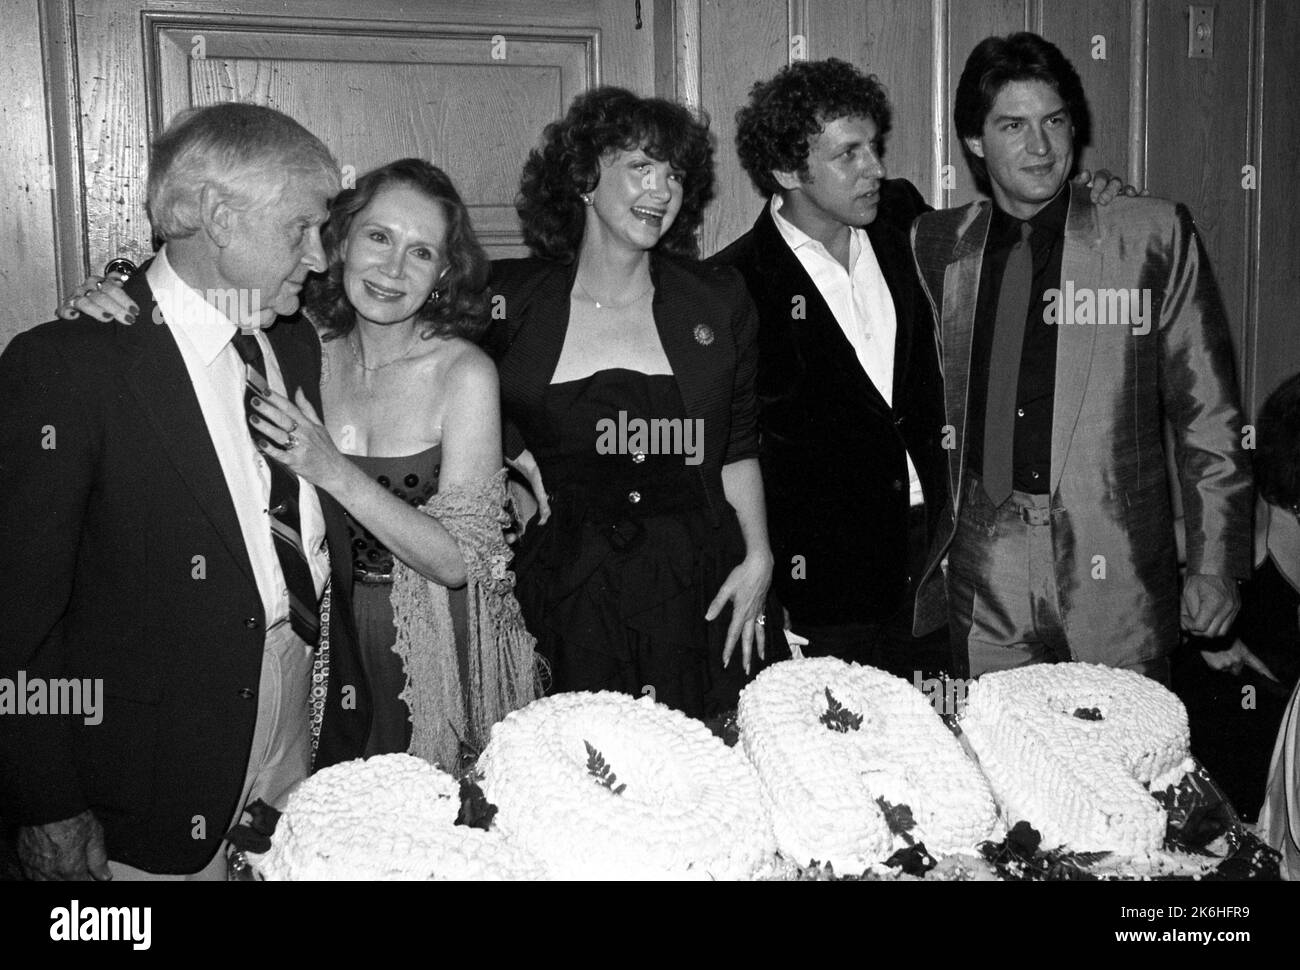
1032 515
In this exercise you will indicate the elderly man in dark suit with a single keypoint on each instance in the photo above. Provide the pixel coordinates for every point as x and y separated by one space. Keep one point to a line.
1067 333
167 555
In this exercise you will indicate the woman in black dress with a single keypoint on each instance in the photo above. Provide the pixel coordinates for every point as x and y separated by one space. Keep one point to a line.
627 373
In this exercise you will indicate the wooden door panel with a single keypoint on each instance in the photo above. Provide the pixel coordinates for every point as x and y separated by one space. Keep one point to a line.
468 86
471 101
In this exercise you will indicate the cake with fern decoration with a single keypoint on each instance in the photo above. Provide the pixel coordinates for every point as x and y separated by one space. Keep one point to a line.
1077 749
389 817
855 766
608 786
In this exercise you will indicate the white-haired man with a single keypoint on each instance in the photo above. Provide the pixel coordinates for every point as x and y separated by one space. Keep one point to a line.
169 559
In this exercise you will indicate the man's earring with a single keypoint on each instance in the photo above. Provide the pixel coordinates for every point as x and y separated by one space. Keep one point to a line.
586 199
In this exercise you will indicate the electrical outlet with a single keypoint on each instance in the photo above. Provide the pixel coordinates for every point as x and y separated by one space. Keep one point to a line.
1200 31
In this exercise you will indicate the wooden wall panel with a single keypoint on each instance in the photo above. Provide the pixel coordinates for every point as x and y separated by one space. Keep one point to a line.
1073 27
968 24
373 95
883 37
630 50
1198 131
740 43
27 271
1275 347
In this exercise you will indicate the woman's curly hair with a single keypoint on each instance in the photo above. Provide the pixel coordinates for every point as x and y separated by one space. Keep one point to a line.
1277 460
458 306
567 164
773 129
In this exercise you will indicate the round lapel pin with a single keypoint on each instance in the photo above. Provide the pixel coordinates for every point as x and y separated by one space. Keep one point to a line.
703 334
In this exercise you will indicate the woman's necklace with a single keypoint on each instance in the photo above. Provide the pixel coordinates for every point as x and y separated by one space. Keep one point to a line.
364 366
613 306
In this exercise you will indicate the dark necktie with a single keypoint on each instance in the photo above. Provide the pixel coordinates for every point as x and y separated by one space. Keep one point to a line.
286 523
1004 368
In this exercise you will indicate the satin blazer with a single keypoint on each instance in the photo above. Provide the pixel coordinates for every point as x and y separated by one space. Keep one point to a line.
706 324
833 450
129 567
1143 335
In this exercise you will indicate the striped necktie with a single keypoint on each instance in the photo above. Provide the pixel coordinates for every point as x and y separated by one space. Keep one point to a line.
286 524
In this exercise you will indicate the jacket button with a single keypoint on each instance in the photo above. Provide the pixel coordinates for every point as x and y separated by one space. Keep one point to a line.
634 497
246 693
898 484
638 457
251 622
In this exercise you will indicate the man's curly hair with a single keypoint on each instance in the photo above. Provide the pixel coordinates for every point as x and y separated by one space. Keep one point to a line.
567 164
459 304
773 130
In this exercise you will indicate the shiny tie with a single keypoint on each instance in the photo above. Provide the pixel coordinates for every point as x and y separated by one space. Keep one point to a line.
1004 368
286 526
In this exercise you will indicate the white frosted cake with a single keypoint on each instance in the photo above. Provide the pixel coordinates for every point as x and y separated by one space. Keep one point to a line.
608 786
821 782
1076 750
389 817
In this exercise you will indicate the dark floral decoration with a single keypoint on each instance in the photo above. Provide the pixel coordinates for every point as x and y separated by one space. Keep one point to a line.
838 717
600 770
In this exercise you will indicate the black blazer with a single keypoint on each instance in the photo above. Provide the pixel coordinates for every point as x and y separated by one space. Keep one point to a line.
706 323
110 490
832 450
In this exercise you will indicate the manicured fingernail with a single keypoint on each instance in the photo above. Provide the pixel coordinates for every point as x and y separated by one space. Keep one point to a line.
130 318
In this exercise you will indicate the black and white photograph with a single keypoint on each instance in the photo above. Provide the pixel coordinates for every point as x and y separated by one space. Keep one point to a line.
630 442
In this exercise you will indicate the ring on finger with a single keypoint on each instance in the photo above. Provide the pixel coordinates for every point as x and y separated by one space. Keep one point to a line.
293 427
761 619
292 443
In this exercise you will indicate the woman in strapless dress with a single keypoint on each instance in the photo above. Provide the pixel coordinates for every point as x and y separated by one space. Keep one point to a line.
413 454
627 381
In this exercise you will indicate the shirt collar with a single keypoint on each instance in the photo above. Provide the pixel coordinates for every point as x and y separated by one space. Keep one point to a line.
1048 222
796 238
206 328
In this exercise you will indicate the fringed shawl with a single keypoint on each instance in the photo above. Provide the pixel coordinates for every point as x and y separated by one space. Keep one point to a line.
501 666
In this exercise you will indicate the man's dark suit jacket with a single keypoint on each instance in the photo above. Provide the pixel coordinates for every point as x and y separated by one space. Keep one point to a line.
832 449
110 492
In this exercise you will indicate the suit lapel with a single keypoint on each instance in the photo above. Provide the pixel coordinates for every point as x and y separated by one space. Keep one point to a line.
961 285
819 332
539 339
894 255
672 315
1081 264
157 376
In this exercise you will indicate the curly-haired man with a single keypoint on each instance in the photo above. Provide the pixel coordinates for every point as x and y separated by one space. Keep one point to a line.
850 404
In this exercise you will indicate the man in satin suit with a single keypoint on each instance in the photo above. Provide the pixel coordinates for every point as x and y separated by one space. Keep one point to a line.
850 406
1067 333
161 556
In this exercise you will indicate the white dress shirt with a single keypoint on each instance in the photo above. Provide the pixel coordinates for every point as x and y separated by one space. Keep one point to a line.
861 303
217 372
